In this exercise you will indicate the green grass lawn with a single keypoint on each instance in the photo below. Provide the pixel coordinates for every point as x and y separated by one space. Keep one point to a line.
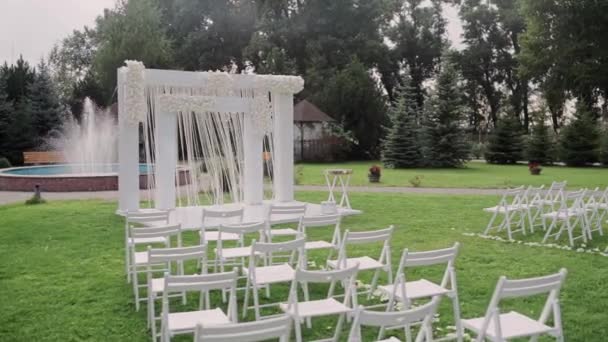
474 175
62 272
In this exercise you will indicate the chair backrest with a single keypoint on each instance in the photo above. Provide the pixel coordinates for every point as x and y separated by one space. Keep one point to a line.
213 217
167 255
226 281
155 232
512 196
556 191
278 327
346 276
320 220
422 314
409 259
380 235
533 194
147 216
515 288
293 250
278 247
242 228
283 213
572 200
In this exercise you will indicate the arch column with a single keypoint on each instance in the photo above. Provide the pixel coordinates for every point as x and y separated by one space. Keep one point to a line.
283 146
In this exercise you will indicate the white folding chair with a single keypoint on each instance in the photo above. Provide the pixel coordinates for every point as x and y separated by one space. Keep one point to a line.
497 326
308 309
366 263
214 217
510 206
596 207
167 257
324 221
405 291
532 203
554 195
140 263
142 218
422 315
264 276
281 214
272 328
571 213
229 256
177 323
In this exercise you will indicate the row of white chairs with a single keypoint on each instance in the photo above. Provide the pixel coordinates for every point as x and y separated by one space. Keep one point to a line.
258 276
555 210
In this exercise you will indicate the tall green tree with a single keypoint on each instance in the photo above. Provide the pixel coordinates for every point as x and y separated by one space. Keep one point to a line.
489 62
419 35
505 144
6 110
132 30
353 98
563 54
46 112
71 60
603 155
444 139
18 78
401 147
579 140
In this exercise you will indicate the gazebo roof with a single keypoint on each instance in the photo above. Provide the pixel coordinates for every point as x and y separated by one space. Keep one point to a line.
305 111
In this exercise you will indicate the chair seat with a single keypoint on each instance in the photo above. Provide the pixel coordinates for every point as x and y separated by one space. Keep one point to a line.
512 324
318 245
272 274
141 258
314 308
390 339
563 215
503 209
597 205
184 322
365 263
283 232
158 285
236 252
142 241
416 289
215 236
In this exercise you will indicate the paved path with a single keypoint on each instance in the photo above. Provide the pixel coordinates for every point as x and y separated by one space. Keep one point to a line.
13 196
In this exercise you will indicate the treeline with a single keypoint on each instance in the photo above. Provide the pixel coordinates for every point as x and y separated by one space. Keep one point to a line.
30 109
369 63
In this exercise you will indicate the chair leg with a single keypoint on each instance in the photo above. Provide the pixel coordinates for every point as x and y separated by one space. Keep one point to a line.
458 322
128 262
489 226
338 328
307 298
298 329
374 283
135 288
152 319
256 302
548 233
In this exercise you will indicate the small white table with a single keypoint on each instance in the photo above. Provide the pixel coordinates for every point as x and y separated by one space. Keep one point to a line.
341 176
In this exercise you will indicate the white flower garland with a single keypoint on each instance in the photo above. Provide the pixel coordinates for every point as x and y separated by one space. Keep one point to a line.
217 84
135 100
581 249
173 103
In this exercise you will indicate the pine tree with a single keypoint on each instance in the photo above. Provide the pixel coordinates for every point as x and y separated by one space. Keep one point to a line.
505 143
540 145
401 148
579 140
603 155
6 109
444 142
46 110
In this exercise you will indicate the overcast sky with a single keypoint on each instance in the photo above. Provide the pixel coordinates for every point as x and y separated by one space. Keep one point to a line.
32 27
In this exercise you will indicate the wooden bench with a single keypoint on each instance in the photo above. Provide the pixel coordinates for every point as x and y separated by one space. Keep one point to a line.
46 157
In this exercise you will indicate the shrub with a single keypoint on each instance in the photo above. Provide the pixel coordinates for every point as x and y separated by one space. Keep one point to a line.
416 181
4 163
539 145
